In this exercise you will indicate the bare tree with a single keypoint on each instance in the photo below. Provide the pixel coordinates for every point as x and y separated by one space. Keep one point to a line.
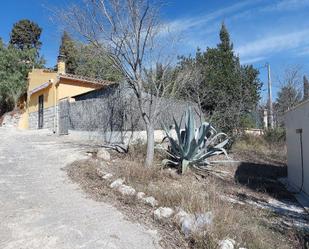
129 32
187 85
292 76
290 92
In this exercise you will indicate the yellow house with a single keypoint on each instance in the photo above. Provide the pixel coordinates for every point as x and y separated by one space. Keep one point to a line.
46 88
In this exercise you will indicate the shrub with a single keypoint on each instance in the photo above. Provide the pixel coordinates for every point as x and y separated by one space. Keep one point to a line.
277 135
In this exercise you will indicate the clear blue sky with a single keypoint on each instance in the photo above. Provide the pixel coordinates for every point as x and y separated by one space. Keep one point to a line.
274 31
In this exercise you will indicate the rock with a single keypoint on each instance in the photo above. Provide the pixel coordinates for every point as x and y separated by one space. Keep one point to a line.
194 223
107 176
117 183
226 244
203 219
179 217
163 213
100 172
173 173
126 190
103 154
188 225
140 195
151 201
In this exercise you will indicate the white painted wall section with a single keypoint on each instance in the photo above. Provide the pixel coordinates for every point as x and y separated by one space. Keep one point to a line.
297 120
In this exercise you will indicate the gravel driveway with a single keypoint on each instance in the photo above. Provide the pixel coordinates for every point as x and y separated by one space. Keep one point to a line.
41 209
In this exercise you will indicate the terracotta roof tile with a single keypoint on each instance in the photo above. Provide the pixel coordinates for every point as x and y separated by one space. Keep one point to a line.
86 79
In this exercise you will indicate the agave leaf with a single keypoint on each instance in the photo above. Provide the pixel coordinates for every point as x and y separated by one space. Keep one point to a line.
166 162
177 129
208 154
222 144
184 166
190 132
174 156
201 135
192 149
175 146
223 151
213 139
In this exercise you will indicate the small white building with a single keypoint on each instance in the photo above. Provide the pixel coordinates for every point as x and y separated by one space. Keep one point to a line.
297 138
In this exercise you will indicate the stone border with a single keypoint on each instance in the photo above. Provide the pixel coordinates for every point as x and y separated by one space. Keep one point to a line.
186 222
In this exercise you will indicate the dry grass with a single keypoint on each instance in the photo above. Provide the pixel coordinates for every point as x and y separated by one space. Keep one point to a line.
257 149
250 227
195 194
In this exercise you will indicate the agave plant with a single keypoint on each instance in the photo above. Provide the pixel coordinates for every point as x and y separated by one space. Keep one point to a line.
192 147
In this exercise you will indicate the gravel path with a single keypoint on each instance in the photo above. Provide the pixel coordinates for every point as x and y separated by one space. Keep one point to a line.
41 209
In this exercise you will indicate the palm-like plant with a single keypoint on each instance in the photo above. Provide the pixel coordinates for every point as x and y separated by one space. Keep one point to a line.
193 146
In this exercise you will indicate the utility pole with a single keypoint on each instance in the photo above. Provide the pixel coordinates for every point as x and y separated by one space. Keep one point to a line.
270 103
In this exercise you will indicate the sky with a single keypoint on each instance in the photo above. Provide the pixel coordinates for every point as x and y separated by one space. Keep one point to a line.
262 31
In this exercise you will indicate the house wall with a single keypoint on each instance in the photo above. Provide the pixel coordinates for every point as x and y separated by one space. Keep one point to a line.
298 118
39 76
52 94
67 88
49 99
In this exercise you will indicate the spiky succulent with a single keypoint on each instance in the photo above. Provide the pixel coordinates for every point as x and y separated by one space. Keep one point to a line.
192 147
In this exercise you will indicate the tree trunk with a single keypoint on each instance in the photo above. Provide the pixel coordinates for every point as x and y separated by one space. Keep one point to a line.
150 145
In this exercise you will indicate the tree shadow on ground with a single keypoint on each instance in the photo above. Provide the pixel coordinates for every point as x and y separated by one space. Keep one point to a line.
263 178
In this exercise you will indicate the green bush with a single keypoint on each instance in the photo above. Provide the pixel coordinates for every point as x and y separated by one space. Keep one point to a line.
276 135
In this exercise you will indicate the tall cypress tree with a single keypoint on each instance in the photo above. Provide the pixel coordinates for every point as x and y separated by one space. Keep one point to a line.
69 51
225 43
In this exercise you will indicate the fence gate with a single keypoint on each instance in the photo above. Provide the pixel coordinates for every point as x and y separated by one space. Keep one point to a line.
64 117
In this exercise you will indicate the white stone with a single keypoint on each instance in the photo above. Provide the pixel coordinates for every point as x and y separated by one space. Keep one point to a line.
126 190
100 172
226 244
163 213
140 195
194 223
117 183
107 176
103 154
188 225
203 219
179 217
151 201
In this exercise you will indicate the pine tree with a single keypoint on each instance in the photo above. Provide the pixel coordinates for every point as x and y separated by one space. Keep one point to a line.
288 97
26 35
225 44
69 51
233 91
91 63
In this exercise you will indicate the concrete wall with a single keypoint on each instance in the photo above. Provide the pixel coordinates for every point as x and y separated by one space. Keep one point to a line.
113 114
298 118
105 114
